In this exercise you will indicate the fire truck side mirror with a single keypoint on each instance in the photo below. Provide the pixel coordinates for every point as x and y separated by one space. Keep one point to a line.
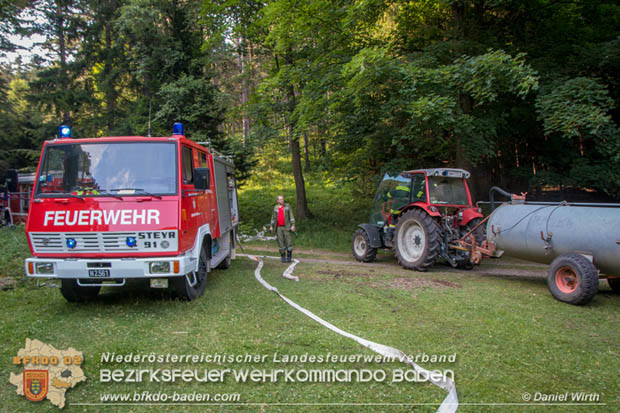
201 178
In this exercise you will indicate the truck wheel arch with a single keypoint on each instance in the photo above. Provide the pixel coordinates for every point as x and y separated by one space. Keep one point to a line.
421 206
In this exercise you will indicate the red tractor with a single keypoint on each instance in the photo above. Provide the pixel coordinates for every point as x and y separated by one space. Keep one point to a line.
424 215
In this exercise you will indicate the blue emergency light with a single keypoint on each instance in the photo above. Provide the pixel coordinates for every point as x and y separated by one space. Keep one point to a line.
71 243
65 131
131 242
177 129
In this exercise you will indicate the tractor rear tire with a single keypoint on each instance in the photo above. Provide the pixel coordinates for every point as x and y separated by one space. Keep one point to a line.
362 251
74 293
417 241
614 284
572 279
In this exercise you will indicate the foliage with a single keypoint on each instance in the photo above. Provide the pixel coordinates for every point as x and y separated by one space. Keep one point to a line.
575 107
522 93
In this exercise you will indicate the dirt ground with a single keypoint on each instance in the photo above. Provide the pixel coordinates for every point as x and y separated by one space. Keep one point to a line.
386 262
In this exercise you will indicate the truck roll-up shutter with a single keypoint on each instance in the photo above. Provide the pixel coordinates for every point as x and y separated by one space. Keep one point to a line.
223 202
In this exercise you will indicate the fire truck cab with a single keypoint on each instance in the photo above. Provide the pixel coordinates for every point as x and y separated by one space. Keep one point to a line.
104 210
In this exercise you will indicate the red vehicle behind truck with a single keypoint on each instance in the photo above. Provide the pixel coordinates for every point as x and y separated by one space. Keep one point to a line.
104 210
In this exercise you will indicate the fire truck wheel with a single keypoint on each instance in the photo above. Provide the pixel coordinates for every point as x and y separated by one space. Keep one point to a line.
417 240
192 285
362 251
225 264
614 284
76 294
6 218
572 279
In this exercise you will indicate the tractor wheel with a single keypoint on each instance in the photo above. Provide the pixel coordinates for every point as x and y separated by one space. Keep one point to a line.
75 293
417 240
572 279
192 285
614 284
362 251
480 234
465 265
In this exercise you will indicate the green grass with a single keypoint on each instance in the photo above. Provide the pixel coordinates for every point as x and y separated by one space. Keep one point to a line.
509 335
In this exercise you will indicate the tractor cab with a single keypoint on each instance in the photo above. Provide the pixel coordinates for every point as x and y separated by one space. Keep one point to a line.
435 190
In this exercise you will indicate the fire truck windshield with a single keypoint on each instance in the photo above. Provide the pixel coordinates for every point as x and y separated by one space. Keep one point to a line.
94 169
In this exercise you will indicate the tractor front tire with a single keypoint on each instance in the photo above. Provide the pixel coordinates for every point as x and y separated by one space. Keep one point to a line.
362 251
417 241
74 293
480 234
572 279
614 284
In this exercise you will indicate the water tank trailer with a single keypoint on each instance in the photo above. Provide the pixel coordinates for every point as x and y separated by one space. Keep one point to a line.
579 241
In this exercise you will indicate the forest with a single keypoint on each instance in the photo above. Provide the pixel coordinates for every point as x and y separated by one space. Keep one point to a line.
523 93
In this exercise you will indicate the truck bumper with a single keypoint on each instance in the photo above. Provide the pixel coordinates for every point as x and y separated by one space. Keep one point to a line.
118 268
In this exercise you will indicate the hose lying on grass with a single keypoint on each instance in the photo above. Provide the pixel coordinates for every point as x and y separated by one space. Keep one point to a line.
450 403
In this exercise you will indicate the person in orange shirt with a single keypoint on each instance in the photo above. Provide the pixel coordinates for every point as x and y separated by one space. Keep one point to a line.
284 222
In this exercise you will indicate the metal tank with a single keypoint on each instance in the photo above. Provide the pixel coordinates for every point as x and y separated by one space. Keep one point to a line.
542 232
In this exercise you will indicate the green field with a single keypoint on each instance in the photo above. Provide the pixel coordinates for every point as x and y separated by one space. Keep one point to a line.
509 336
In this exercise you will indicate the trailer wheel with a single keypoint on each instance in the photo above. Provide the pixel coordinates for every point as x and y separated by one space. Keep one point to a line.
572 279
74 293
417 240
614 284
192 285
362 251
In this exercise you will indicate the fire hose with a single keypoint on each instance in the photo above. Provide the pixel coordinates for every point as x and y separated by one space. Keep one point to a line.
450 403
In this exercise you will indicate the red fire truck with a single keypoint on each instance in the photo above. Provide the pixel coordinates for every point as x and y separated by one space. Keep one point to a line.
15 198
104 210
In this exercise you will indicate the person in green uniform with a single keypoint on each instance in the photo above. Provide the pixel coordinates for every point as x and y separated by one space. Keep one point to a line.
283 221
396 199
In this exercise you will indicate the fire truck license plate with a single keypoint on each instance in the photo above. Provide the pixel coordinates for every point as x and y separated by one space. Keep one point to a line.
99 273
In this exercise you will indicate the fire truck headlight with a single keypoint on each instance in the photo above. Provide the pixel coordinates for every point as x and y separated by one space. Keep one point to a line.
71 243
131 241
159 267
44 268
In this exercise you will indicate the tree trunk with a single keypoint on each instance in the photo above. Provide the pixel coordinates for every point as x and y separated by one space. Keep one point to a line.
301 210
245 120
61 12
110 91
306 153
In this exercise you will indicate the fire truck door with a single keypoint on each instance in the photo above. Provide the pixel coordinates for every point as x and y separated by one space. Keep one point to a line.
190 212
206 199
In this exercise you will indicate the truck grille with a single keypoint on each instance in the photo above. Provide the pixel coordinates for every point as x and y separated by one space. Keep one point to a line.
86 242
